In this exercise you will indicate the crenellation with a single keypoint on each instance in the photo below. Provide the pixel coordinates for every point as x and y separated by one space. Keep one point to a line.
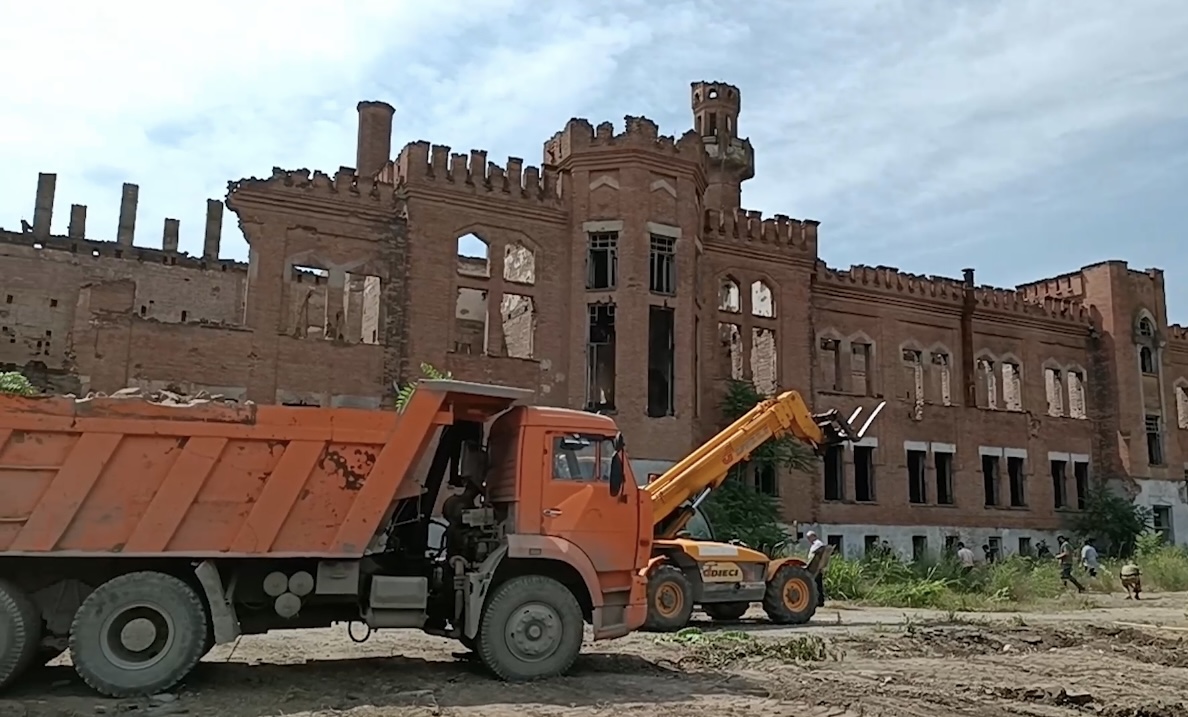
639 133
1177 332
170 235
346 184
746 226
129 198
1012 301
885 278
78 222
421 162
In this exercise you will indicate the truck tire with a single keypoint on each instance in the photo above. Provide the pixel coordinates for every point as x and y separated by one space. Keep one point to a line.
20 632
726 611
791 597
531 629
138 634
670 600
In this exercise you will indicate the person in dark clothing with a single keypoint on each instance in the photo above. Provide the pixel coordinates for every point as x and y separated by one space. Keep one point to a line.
1064 554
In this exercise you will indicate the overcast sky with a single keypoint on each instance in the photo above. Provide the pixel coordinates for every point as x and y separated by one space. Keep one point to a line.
1025 138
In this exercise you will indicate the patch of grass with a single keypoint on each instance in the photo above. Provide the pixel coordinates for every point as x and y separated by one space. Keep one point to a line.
722 648
1003 586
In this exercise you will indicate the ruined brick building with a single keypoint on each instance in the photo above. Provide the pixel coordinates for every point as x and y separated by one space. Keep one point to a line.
621 275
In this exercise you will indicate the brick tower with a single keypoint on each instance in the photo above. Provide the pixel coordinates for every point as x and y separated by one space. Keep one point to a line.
729 160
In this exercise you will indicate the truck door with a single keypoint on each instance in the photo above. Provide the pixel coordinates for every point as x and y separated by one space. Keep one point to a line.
576 502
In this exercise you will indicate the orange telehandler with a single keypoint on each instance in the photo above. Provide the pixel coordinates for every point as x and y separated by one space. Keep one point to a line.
725 578
138 534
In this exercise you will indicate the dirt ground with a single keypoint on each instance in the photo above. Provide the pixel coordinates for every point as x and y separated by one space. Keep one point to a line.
1120 659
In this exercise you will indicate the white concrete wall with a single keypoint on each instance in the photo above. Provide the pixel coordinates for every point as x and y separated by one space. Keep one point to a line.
1171 494
900 538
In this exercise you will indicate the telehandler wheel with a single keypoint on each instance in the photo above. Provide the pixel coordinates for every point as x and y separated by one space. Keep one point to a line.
531 629
20 632
726 611
670 600
138 634
791 597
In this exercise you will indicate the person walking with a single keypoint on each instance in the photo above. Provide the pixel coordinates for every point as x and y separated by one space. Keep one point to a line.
1089 559
1064 555
815 546
966 558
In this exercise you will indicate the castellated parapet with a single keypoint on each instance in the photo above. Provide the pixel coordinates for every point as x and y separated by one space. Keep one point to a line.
748 228
640 133
345 186
891 281
422 162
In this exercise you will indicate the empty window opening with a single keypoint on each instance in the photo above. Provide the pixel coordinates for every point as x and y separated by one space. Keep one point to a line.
369 329
762 300
474 256
990 480
764 366
942 378
1146 360
831 364
1025 547
470 321
309 302
870 544
602 261
662 265
1076 395
951 543
53 303
1012 387
917 477
731 350
661 362
860 366
1081 478
1146 328
1181 406
1154 440
836 542
864 474
943 464
184 316
8 299
995 552
713 121
600 358
919 548
767 480
1161 522
518 321
1018 481
835 473
913 375
987 386
143 309
1054 388
519 264
729 296
1058 471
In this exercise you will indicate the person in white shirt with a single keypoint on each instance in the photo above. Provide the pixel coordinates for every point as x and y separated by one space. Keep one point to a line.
1089 559
965 557
815 546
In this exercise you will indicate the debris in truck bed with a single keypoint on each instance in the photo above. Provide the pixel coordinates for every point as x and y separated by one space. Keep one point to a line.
161 396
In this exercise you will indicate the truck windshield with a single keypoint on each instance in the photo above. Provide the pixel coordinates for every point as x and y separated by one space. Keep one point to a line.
698 527
582 457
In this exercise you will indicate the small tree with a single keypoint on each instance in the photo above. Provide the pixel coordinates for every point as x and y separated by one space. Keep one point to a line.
1112 518
736 510
405 394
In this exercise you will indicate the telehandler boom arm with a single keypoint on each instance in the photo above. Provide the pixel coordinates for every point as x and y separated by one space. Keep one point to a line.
707 467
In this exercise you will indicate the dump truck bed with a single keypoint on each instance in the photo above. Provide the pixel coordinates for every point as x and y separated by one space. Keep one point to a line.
126 476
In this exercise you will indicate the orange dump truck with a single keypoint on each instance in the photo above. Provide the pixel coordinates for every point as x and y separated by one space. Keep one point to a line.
138 535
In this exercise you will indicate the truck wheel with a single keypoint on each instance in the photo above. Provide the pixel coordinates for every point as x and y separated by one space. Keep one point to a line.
726 611
670 600
791 597
20 632
531 629
138 634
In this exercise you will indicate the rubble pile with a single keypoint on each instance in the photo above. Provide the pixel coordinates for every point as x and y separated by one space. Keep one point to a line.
161 396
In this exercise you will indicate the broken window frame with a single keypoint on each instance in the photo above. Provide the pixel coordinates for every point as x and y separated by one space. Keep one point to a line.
831 352
1153 428
1058 470
662 265
526 306
1147 361
457 346
991 480
833 474
596 341
942 363
1017 481
942 466
1081 482
863 348
602 247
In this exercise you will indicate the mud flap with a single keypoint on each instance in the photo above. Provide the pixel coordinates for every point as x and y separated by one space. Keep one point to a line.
478 584
222 613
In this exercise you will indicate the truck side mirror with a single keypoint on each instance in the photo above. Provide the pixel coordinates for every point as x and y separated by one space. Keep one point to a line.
616 474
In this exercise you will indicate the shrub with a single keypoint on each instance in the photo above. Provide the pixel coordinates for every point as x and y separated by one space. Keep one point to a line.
15 384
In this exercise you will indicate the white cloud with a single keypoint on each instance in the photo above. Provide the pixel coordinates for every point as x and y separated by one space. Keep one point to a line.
864 115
